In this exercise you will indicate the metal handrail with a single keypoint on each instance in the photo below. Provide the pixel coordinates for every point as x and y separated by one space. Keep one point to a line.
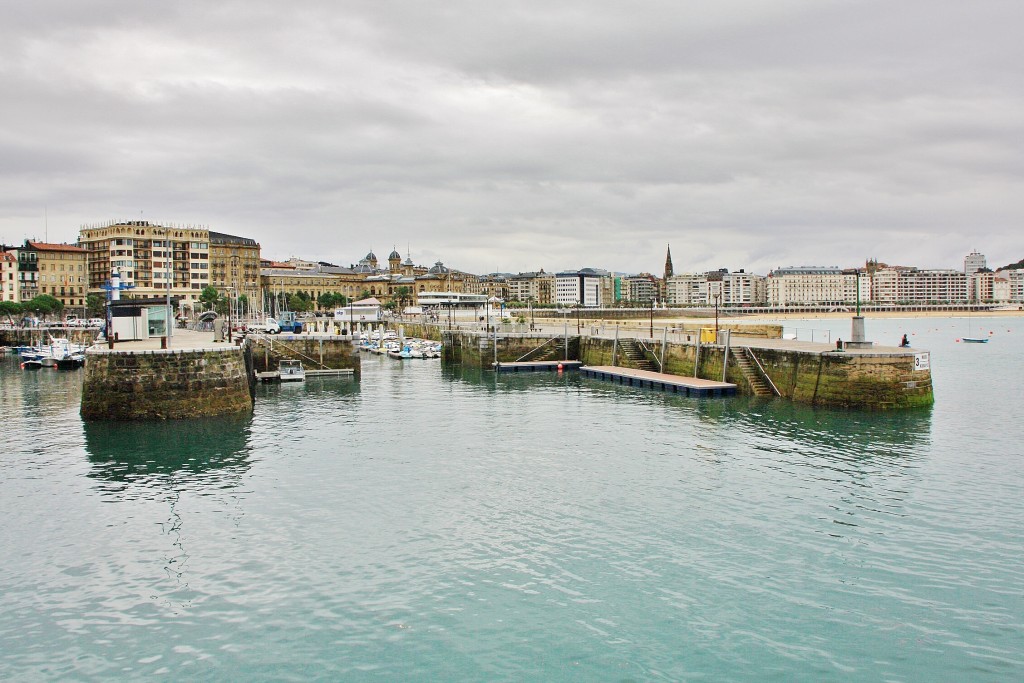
262 339
760 368
648 353
518 360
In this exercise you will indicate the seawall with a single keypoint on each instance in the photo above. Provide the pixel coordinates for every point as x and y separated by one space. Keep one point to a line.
166 384
315 351
865 379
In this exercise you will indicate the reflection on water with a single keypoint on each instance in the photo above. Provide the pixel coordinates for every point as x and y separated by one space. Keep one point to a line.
153 453
821 431
439 523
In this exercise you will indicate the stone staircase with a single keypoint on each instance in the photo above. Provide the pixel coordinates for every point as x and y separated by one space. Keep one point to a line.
635 356
758 384
549 351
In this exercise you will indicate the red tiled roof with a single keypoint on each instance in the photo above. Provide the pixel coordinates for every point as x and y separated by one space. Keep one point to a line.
43 246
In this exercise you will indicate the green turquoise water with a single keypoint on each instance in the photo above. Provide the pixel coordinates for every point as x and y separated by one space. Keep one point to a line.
435 524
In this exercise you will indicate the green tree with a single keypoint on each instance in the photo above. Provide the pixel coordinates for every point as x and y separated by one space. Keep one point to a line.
11 309
208 297
94 304
242 305
44 305
298 304
329 300
404 296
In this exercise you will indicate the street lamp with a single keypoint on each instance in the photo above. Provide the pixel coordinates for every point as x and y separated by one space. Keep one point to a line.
230 290
718 295
653 302
169 273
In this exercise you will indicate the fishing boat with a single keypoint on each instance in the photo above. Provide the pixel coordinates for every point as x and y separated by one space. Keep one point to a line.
291 371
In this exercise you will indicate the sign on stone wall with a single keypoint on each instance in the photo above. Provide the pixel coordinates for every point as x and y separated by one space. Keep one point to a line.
922 361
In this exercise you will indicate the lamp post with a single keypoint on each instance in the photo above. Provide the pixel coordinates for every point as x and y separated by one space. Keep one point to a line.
230 289
652 317
717 295
169 253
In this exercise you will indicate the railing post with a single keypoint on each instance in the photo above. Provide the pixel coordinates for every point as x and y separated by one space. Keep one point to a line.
615 346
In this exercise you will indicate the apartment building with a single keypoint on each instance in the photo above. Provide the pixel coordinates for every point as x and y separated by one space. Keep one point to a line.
1015 284
58 270
155 260
9 276
687 289
532 287
910 285
235 264
579 288
827 286
733 289
643 288
315 281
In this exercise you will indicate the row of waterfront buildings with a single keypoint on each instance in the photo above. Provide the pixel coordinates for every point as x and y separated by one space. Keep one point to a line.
181 260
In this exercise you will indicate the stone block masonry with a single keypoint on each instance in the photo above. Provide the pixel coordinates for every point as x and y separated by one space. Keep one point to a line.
883 380
165 384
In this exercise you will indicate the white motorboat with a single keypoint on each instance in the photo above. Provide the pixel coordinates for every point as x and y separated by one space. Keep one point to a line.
291 371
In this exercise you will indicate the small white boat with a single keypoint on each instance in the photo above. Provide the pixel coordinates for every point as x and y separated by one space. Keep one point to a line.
291 371
976 340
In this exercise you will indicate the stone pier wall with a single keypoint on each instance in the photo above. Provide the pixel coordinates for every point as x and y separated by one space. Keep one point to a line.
165 385
880 381
315 352
477 349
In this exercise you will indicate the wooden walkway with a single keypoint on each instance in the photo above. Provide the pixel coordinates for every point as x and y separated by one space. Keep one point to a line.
275 375
539 366
676 384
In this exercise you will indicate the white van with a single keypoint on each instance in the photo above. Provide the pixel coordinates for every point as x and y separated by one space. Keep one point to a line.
269 326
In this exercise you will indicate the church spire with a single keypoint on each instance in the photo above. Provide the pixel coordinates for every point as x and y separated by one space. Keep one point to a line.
668 262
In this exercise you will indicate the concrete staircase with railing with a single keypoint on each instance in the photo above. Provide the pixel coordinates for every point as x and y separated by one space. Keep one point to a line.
745 361
635 356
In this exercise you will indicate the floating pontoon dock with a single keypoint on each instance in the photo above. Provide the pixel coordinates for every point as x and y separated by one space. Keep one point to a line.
676 384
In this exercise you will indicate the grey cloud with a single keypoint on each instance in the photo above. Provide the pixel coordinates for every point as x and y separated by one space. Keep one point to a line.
526 135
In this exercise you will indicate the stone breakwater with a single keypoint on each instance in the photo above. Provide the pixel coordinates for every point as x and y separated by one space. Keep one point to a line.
166 384
818 376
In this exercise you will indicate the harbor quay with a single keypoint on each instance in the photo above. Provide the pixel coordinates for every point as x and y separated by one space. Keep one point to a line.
758 361
194 376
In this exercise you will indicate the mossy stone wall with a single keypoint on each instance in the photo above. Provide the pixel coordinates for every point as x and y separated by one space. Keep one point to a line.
332 352
164 384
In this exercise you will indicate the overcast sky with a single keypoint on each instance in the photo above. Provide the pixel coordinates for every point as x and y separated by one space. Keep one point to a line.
523 135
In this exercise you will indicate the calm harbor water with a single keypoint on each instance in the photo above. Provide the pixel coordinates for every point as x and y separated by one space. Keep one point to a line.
436 524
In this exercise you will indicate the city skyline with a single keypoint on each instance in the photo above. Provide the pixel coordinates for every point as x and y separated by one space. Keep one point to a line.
514 138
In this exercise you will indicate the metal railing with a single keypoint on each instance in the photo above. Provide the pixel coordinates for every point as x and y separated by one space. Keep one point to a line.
807 334
760 369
